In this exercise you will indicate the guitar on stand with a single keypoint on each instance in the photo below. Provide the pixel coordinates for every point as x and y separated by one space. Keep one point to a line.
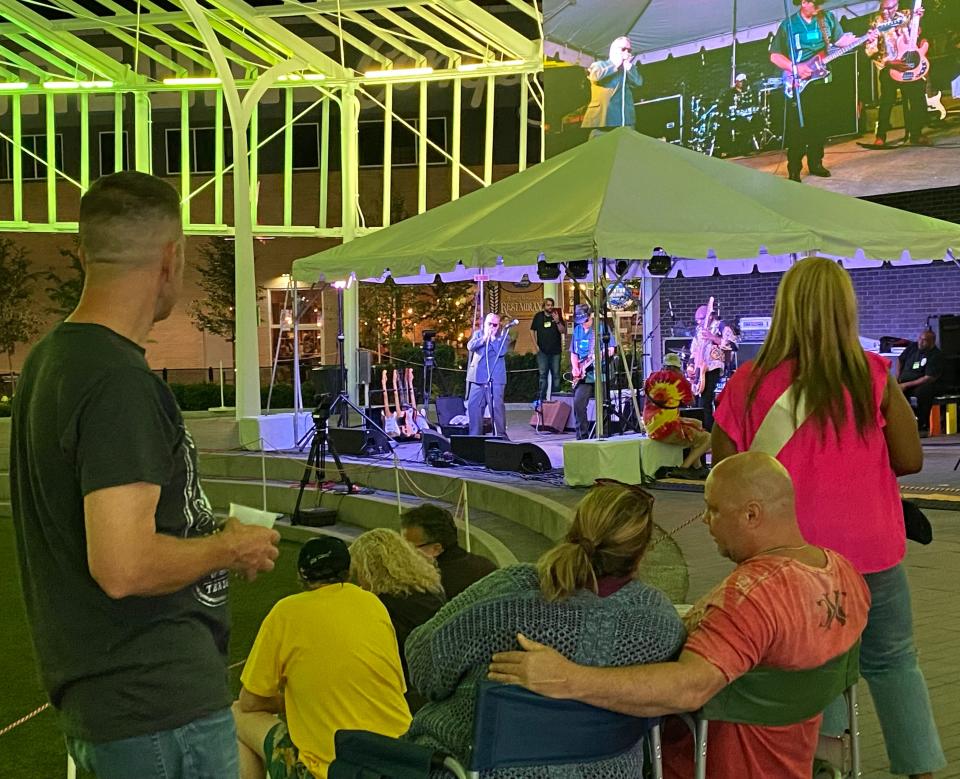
417 419
817 64
909 62
402 423
389 419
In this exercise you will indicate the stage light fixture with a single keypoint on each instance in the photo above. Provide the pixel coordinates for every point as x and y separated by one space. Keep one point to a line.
547 271
578 269
659 263
622 267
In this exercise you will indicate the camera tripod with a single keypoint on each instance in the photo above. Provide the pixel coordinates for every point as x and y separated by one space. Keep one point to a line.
317 458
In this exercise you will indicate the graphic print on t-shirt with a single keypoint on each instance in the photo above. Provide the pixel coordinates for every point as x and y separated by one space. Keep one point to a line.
199 520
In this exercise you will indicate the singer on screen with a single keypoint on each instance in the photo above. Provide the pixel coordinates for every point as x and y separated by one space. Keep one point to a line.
488 352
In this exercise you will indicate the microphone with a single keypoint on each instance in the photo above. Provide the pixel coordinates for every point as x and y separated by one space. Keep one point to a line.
514 323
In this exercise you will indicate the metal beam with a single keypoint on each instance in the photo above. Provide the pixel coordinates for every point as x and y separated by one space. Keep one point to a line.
496 32
182 17
89 56
284 39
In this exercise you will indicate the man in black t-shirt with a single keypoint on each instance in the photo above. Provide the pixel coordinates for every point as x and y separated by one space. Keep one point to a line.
920 368
549 328
123 565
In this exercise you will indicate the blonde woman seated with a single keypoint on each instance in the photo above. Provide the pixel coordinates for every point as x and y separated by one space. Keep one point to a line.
580 598
405 581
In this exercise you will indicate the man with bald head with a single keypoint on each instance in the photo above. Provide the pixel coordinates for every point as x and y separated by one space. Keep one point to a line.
786 605
124 566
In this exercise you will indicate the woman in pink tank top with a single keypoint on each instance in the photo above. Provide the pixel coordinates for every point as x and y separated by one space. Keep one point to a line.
859 435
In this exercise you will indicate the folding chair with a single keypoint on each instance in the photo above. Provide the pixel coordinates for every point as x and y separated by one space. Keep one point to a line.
774 697
512 728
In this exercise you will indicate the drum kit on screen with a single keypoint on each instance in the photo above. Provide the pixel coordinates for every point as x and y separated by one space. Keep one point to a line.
739 122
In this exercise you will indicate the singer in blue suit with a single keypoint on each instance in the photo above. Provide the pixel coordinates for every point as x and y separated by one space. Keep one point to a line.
488 355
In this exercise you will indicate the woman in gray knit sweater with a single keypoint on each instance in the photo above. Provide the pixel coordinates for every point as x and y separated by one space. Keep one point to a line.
580 598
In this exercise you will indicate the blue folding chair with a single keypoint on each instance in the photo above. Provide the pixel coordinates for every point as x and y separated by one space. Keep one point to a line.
512 728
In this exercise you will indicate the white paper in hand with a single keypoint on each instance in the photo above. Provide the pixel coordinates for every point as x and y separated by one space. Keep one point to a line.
252 516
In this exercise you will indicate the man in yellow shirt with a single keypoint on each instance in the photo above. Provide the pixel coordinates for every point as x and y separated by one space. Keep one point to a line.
324 660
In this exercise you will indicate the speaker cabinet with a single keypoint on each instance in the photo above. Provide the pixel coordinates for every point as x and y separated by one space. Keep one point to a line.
358 441
516 456
469 448
553 416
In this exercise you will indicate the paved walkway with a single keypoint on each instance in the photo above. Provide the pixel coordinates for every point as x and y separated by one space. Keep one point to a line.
933 572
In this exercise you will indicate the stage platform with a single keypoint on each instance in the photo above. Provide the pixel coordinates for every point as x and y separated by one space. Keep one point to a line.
863 172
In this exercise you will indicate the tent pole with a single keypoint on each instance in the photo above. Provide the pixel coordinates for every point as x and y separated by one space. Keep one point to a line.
733 48
598 385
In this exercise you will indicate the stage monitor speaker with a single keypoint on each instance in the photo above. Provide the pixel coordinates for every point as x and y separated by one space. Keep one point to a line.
325 380
469 448
553 416
434 447
516 456
358 441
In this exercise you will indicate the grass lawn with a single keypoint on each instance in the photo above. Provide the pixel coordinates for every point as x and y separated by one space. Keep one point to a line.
35 750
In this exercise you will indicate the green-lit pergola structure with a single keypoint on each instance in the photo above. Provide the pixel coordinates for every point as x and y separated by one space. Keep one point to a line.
80 59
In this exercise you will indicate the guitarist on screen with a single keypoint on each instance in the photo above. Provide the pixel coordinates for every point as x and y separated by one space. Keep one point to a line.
805 34
582 364
902 65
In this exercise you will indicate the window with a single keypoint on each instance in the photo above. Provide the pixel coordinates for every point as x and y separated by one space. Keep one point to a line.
306 146
202 149
405 142
33 168
107 158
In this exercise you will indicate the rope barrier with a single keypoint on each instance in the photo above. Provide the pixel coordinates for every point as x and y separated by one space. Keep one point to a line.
24 718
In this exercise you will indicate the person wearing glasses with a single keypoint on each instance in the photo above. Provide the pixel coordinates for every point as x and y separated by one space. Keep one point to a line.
488 348
582 594
803 35
788 604
611 84
433 532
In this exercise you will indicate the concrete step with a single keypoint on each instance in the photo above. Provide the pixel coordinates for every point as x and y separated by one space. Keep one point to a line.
499 539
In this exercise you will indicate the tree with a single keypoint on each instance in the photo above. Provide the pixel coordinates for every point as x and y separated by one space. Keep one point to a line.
64 292
215 311
448 308
19 320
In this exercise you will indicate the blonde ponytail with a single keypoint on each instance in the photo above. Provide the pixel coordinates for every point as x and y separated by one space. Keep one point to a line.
608 536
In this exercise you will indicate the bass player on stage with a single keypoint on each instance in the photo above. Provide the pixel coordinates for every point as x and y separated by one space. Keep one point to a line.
891 52
803 35
582 364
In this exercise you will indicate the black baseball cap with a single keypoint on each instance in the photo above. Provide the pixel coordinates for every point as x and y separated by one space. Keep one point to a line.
323 557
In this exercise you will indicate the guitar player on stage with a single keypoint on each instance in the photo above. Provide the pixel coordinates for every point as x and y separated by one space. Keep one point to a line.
888 50
582 364
803 35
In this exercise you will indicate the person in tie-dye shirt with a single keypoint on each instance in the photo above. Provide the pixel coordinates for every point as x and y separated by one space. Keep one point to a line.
666 391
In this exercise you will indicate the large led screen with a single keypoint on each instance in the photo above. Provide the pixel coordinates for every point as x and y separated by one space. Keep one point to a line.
883 100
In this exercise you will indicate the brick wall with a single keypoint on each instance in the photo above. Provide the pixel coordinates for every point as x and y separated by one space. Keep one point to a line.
893 301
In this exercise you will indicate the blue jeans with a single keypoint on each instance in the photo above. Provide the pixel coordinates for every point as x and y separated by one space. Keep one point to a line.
888 663
548 365
203 749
